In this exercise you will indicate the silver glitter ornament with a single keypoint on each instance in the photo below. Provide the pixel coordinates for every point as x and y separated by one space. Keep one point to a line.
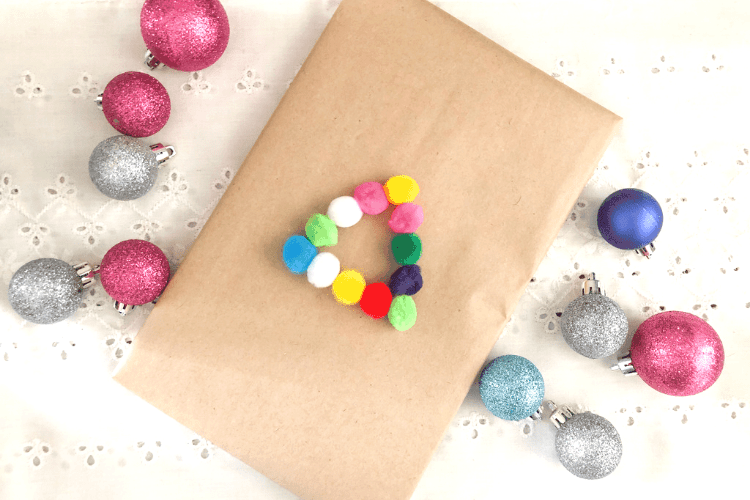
48 290
587 445
594 325
124 168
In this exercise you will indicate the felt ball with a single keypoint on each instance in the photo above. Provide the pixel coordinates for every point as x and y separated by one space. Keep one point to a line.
136 104
371 198
406 218
45 291
323 270
588 446
344 211
187 35
321 231
123 168
511 387
407 248
406 280
134 272
348 287
376 300
401 189
298 253
403 313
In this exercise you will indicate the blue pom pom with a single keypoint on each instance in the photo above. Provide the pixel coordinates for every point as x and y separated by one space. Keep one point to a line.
630 219
298 254
511 387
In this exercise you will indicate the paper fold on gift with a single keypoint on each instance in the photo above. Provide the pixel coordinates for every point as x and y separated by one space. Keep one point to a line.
320 398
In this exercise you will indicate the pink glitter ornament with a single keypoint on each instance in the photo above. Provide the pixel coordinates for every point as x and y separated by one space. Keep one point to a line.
135 104
187 35
676 353
134 272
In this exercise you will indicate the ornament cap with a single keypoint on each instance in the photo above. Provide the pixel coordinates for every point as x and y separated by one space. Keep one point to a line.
99 100
592 286
86 272
151 61
537 415
123 309
559 415
645 250
625 365
163 153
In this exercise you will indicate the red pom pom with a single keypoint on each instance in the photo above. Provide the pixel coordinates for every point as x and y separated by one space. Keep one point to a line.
376 300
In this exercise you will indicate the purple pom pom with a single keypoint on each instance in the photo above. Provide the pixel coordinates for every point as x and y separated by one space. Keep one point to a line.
407 280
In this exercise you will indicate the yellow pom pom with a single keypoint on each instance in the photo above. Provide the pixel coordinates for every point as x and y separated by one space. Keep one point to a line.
348 287
401 189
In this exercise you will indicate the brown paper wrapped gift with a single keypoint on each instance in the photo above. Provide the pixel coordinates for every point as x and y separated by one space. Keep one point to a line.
317 396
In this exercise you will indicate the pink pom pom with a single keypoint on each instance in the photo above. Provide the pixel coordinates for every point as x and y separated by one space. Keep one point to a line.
134 272
406 218
371 198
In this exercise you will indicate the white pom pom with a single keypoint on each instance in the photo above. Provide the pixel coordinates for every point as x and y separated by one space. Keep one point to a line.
323 270
344 211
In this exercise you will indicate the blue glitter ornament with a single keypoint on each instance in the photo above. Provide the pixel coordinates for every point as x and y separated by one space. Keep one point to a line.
630 219
511 387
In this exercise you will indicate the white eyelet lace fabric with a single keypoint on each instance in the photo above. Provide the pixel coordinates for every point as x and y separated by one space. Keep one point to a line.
678 75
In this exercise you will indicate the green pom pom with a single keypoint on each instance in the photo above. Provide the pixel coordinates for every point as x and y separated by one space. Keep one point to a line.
403 313
407 248
321 231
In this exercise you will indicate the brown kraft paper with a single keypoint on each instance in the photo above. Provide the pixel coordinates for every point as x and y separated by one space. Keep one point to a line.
322 399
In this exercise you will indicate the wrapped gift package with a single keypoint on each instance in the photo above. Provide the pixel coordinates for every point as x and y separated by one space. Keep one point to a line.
318 396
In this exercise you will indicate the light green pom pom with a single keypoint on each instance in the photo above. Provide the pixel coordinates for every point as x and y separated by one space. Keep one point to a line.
403 313
321 231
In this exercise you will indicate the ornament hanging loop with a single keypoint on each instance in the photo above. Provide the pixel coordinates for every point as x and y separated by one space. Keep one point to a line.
163 153
625 365
151 61
559 415
645 250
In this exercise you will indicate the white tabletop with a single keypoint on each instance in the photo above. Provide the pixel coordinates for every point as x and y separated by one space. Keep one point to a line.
676 71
